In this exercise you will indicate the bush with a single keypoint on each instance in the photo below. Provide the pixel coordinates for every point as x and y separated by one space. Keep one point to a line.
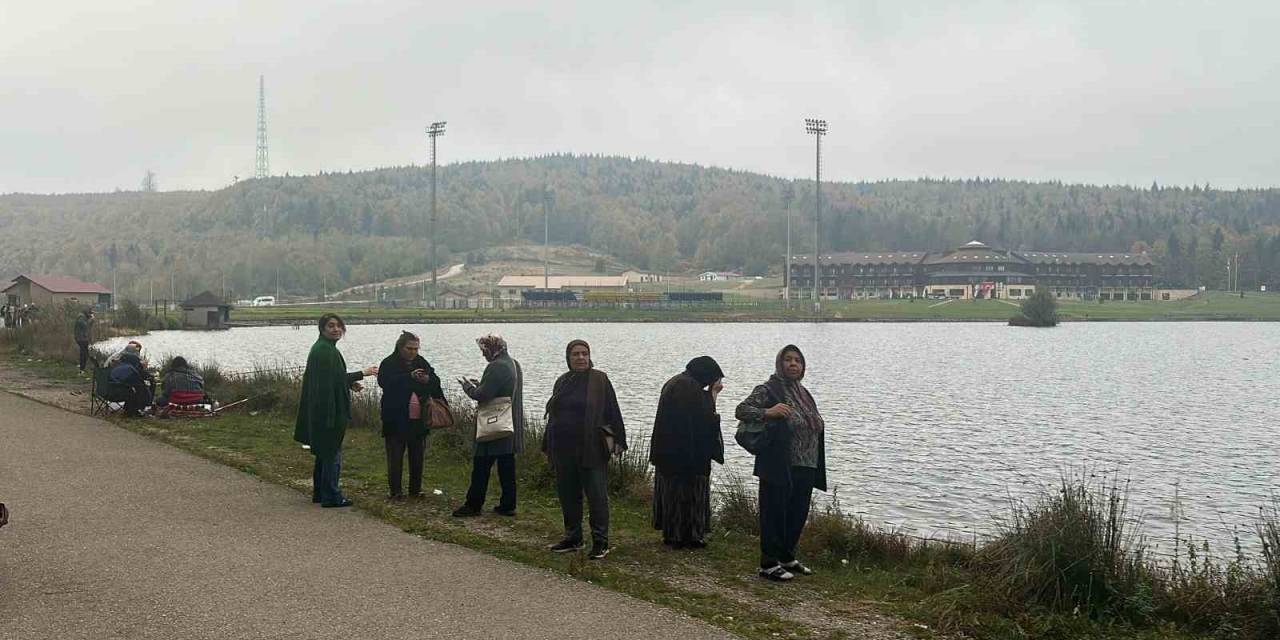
1040 310
833 536
736 506
1073 551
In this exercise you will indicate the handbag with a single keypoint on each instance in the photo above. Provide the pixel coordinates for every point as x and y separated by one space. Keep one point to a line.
439 416
755 437
494 420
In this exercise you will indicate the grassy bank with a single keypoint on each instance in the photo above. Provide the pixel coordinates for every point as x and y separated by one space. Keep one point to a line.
1071 564
1210 306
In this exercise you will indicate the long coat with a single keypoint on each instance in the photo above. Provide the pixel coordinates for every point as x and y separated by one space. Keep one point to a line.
686 429
502 378
397 387
587 447
324 409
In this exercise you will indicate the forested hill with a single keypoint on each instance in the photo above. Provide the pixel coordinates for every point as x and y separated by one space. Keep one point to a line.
358 227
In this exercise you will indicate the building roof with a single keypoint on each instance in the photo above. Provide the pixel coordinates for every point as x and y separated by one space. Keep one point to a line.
60 284
865 257
1109 258
205 299
563 282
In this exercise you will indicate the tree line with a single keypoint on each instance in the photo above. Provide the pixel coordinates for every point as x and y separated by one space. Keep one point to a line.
341 229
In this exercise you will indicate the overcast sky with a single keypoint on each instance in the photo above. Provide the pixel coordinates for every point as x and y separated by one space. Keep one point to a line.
93 93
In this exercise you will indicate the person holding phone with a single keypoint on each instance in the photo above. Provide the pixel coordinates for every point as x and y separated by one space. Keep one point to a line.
502 378
324 409
408 383
686 438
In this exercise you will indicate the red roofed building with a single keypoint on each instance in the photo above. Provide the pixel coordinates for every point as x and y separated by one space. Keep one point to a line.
52 291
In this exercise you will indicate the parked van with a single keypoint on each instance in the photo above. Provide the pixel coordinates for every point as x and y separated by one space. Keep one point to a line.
264 301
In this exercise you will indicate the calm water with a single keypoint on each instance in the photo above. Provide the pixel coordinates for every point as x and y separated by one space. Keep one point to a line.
932 428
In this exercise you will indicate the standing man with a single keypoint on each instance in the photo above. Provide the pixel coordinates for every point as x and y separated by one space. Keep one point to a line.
83 335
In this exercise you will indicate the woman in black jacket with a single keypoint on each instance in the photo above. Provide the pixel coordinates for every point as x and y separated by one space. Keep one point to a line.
408 382
686 438
791 464
584 429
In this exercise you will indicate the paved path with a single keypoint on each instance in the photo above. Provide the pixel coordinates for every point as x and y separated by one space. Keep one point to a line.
113 535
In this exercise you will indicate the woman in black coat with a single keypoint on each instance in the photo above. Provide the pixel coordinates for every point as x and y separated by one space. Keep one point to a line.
792 463
584 429
408 382
686 438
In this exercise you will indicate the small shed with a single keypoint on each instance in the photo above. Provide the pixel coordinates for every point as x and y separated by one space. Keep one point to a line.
449 298
53 291
205 311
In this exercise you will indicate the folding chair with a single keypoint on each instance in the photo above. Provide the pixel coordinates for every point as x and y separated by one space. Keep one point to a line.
105 397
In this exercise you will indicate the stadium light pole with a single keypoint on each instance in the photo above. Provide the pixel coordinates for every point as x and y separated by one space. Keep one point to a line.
434 131
546 237
818 128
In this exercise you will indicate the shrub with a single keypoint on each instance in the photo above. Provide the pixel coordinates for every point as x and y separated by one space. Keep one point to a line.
736 506
1073 551
1039 310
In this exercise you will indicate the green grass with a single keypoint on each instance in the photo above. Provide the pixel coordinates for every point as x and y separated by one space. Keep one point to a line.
1206 307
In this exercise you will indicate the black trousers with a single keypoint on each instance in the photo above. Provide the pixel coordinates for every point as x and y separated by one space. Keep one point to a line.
84 353
480 467
396 447
783 513
138 400
572 481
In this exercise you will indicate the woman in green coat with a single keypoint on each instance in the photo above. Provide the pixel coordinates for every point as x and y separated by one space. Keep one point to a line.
325 409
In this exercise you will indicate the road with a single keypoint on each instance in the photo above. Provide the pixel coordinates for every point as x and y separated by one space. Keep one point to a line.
113 535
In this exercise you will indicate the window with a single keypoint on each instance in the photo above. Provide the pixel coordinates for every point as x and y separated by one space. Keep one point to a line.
955 293
1015 293
1146 295
1164 295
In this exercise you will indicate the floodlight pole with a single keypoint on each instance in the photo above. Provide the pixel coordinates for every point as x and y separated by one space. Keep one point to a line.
434 131
818 128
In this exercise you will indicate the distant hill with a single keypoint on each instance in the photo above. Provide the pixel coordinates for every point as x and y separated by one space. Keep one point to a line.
342 229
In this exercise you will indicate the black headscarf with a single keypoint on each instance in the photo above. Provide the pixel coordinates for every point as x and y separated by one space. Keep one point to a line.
562 383
704 369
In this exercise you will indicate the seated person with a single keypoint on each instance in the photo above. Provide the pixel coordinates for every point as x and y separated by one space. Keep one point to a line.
130 375
133 345
182 385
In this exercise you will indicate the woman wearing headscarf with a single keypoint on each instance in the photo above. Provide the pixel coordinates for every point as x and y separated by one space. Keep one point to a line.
324 409
791 464
686 438
408 383
502 378
584 428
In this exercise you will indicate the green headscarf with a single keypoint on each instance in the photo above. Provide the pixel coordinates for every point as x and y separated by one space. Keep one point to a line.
325 407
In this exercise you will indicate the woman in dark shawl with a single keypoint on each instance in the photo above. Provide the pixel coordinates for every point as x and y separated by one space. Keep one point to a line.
325 409
408 383
584 429
790 466
502 378
686 438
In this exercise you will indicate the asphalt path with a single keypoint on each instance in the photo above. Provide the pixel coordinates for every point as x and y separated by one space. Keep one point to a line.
113 535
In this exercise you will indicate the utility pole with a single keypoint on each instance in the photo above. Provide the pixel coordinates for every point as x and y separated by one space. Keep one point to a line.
434 131
277 283
818 128
546 237
172 291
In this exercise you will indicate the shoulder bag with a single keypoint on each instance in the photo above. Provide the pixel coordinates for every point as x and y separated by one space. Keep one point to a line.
439 416
494 420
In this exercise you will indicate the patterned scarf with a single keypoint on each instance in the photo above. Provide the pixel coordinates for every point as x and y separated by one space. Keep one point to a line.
491 346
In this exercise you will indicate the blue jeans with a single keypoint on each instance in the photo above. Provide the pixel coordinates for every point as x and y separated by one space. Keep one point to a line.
324 480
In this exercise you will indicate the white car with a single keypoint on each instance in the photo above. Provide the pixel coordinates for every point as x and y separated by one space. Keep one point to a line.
264 301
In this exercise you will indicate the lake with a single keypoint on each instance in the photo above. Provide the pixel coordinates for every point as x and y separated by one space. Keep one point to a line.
931 428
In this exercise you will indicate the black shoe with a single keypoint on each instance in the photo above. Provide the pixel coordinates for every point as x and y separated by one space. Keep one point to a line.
776 573
466 512
566 546
510 513
599 551
345 502
796 568
395 496
415 495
